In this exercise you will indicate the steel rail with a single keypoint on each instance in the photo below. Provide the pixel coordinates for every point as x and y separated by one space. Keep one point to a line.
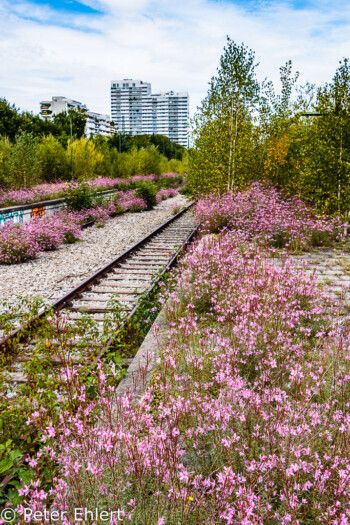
64 300
87 283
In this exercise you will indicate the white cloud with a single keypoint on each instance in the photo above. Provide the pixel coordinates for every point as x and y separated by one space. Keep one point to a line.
173 45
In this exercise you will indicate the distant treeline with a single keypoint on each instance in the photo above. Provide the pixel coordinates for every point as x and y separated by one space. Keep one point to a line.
34 150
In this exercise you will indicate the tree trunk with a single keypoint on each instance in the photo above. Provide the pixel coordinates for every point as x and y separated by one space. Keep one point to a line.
233 143
229 174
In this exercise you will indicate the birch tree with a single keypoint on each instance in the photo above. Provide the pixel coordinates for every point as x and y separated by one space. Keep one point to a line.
223 123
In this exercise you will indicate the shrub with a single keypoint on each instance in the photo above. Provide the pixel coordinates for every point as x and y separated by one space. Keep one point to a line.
267 216
5 155
128 201
16 245
52 160
147 191
23 162
100 214
166 193
50 232
46 232
80 196
185 190
87 159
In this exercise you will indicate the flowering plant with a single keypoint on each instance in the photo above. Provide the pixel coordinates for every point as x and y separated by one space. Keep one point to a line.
246 417
57 190
166 193
16 245
265 214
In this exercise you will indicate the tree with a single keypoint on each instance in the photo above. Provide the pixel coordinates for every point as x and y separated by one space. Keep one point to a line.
5 155
62 124
10 120
52 160
171 150
325 146
277 123
224 122
86 157
36 125
23 167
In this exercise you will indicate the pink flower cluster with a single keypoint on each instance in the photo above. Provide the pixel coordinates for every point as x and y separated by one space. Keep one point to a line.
54 230
127 201
139 178
37 193
15 245
246 419
56 190
265 214
20 242
166 193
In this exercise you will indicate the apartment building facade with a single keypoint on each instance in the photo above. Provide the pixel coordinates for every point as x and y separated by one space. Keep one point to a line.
136 110
96 123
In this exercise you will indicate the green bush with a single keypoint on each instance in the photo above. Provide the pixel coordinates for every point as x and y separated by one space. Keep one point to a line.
5 155
52 160
186 190
147 191
80 197
23 163
170 182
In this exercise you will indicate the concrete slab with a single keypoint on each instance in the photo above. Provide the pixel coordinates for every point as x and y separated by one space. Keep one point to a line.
140 369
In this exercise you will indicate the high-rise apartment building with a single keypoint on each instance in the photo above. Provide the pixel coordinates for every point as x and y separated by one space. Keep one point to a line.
96 123
137 110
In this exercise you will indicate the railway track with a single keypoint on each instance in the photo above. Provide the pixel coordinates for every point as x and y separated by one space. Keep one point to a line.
129 277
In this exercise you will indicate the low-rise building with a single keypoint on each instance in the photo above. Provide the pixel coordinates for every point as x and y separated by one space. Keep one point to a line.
96 123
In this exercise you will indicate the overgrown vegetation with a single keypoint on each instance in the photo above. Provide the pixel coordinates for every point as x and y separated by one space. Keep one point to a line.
299 139
245 419
148 192
60 344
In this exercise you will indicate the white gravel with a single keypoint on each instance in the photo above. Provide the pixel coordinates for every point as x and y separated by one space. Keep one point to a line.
52 274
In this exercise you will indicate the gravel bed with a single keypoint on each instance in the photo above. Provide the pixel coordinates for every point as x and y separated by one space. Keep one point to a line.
52 274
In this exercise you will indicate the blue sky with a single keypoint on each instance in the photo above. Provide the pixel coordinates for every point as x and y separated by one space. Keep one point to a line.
71 6
75 48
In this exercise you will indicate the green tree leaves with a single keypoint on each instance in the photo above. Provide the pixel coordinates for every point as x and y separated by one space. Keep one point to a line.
297 138
223 124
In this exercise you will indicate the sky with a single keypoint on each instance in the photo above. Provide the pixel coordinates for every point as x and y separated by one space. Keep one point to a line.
75 48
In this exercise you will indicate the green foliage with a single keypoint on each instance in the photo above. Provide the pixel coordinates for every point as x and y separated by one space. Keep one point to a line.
148 191
52 160
5 155
80 197
23 165
10 120
307 144
298 139
34 150
62 125
171 182
125 143
12 463
224 124
12 123
86 158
